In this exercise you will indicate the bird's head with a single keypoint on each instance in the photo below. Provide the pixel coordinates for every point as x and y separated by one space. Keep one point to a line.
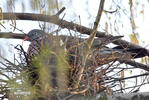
33 35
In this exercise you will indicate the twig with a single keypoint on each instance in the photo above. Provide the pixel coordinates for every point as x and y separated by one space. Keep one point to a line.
88 44
131 87
120 79
60 11
12 35
16 28
136 64
111 12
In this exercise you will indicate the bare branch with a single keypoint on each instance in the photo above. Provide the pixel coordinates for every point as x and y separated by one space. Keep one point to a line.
60 11
12 35
87 44
68 25
136 64
120 79
96 23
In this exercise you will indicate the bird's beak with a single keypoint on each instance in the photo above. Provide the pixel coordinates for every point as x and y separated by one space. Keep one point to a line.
26 38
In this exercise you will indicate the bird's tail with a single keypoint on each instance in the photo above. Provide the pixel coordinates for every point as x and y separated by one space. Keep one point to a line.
135 53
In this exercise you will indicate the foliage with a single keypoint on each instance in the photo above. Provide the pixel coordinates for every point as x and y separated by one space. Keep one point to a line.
17 81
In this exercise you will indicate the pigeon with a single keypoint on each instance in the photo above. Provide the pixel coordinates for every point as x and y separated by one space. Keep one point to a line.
36 35
99 55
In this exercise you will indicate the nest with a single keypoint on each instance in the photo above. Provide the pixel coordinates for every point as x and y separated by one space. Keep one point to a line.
55 71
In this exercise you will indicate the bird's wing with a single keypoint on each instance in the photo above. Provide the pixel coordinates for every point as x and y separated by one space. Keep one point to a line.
107 55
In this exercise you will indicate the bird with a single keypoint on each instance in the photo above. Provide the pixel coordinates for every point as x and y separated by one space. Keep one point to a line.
137 52
43 73
34 36
106 55
100 54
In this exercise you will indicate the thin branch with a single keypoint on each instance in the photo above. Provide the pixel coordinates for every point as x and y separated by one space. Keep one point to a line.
111 12
120 79
96 23
60 11
131 87
136 64
9 61
12 35
88 43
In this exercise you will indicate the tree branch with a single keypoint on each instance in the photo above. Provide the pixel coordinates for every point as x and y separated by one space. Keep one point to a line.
69 25
65 24
136 64
88 43
12 35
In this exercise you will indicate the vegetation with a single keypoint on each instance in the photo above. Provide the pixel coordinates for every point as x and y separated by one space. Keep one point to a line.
71 66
